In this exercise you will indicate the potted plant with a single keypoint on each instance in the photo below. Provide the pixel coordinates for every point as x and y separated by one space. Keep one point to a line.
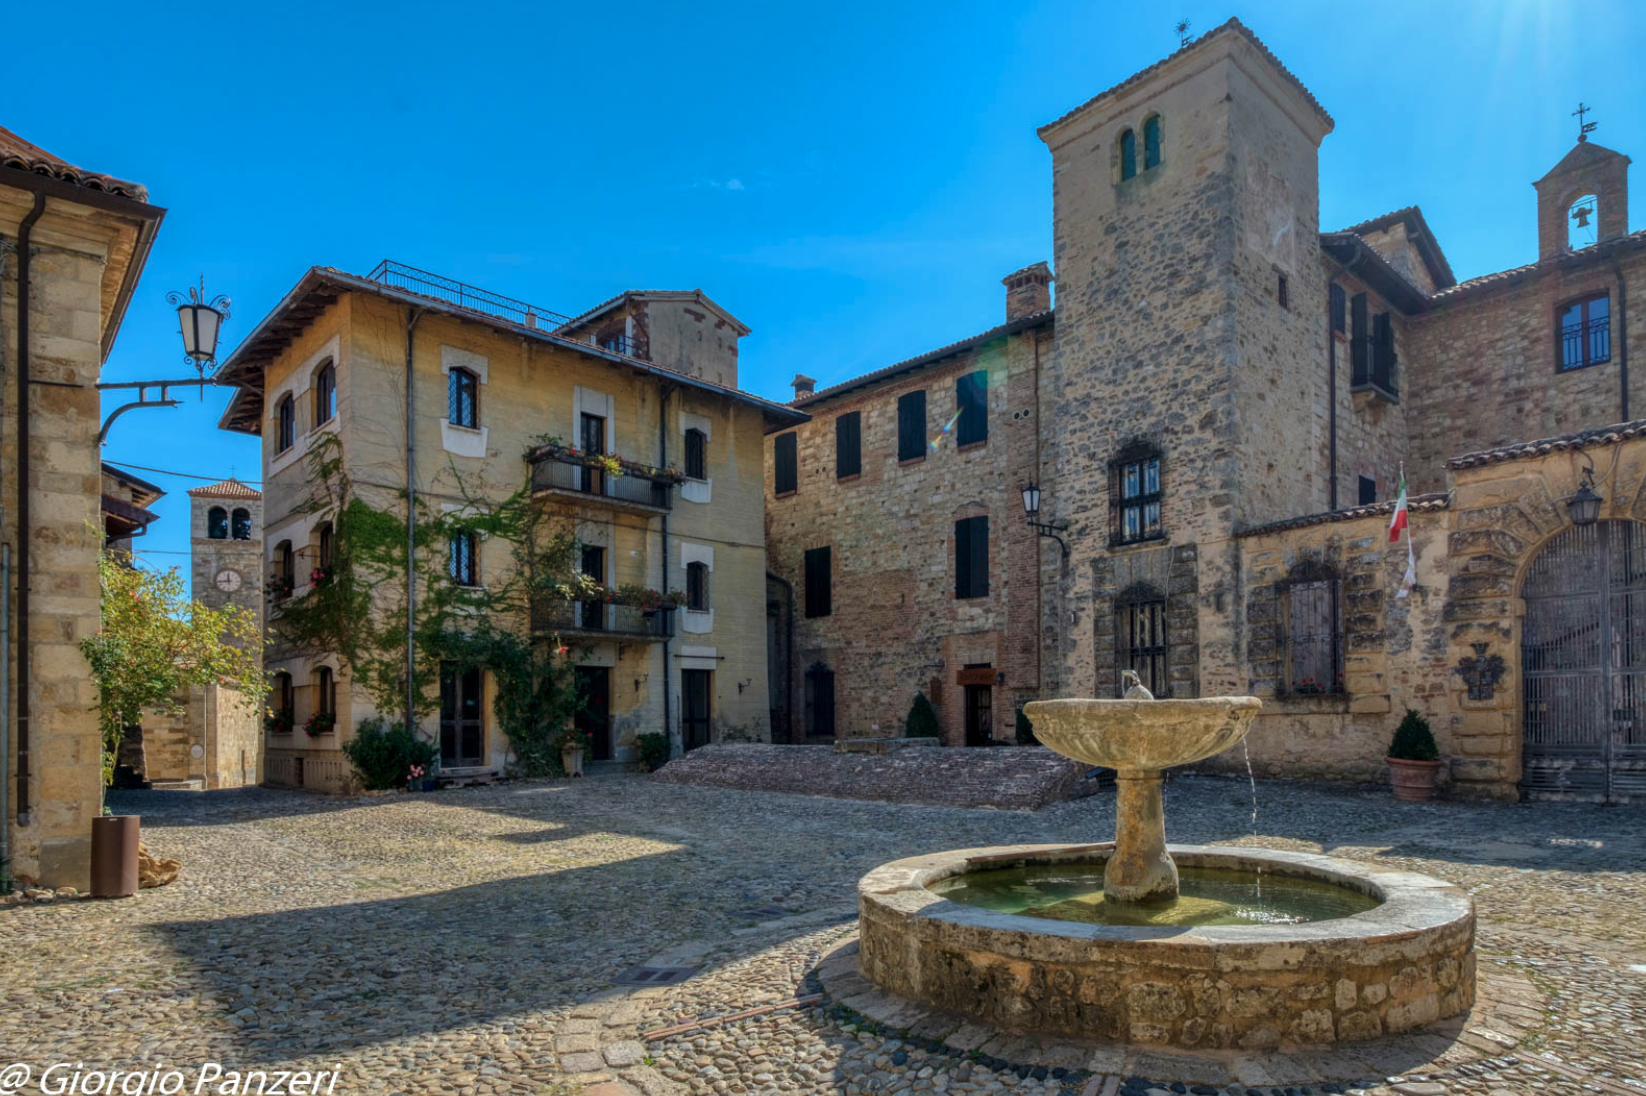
654 750
1414 759
320 723
572 744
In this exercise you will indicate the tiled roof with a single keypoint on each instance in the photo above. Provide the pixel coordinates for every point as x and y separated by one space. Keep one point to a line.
230 488
1427 242
1364 260
680 294
1417 504
1234 26
1520 273
908 365
1604 435
27 156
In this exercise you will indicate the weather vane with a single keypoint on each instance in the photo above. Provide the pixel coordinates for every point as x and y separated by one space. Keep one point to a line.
1583 128
1183 31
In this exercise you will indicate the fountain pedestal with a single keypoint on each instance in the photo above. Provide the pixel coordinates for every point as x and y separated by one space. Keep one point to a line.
1141 870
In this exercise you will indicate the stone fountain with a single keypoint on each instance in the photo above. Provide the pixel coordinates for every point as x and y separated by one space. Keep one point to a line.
1247 948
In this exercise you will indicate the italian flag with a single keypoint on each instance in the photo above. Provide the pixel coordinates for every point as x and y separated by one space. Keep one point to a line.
1396 525
1398 522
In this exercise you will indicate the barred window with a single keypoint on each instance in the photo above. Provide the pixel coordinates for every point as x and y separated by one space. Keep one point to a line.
1584 332
463 560
463 399
1312 603
1140 638
1135 494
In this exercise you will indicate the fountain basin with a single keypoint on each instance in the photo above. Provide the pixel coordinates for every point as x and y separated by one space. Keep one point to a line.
1399 965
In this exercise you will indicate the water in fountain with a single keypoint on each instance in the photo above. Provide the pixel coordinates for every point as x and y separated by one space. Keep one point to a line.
1247 753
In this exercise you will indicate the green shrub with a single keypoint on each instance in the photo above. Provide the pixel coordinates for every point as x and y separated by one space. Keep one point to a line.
654 750
1025 730
922 721
1413 740
383 754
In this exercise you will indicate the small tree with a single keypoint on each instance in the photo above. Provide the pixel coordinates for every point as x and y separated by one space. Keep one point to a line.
1025 730
155 643
1413 740
922 721
383 754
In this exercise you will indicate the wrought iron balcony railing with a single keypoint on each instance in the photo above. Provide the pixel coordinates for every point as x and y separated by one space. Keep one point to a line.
602 619
559 472
1376 369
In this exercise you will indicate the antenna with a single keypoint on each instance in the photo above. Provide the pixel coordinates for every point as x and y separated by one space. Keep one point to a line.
1182 29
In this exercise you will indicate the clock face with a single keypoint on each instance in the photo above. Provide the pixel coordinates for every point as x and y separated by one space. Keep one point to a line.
228 580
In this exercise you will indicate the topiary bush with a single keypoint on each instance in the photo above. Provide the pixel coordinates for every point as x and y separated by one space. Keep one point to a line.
1413 740
654 750
383 754
922 721
1025 730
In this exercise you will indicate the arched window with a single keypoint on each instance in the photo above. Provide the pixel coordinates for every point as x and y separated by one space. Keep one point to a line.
1583 217
325 692
284 703
1128 154
819 701
1135 495
1140 638
241 528
286 429
697 585
1151 143
323 555
217 523
1313 616
463 559
325 394
463 399
284 571
697 458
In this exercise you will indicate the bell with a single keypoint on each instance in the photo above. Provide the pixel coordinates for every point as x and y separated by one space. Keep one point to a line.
1581 215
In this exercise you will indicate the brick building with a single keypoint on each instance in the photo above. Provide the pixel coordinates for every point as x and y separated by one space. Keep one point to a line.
1217 410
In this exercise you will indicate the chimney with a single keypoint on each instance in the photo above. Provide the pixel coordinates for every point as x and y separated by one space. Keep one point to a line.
803 386
1028 291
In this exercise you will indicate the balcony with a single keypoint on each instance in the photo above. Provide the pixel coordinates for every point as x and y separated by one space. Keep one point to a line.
1375 366
611 482
602 620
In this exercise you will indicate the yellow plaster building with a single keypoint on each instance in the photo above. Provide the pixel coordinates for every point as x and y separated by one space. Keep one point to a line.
648 377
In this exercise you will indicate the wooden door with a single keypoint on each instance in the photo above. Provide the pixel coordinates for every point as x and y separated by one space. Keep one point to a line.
593 430
594 684
592 614
695 708
979 715
462 718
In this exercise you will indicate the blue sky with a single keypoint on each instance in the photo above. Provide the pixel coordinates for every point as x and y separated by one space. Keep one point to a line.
850 181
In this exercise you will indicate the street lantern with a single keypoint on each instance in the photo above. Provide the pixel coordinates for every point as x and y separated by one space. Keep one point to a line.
1585 505
199 319
1031 499
1031 508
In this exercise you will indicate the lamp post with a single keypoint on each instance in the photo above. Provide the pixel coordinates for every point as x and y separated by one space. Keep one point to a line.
1584 506
199 322
1031 508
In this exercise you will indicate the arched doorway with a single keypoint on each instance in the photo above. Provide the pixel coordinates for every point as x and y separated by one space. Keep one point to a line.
1583 663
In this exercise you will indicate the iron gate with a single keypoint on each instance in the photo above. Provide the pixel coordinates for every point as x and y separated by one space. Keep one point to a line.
1583 661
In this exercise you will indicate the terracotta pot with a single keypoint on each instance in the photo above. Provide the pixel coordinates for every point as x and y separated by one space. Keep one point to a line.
572 760
114 840
1413 781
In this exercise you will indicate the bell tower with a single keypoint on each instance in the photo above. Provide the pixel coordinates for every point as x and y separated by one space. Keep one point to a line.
226 539
1583 199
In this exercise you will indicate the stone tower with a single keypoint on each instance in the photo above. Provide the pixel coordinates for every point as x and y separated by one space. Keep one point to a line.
1191 329
1587 172
226 538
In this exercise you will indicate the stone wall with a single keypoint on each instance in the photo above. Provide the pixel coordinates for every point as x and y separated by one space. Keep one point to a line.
1015 778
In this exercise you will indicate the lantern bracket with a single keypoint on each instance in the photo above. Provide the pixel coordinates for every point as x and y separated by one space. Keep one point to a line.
165 398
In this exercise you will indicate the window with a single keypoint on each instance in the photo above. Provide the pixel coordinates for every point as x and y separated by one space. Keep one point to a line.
971 399
325 692
285 572
593 431
971 557
323 562
463 399
819 701
1281 294
591 614
786 465
1313 630
1339 308
463 559
911 426
1368 490
1383 352
286 418
819 582
1128 155
848 445
240 529
1136 494
217 523
284 704
1584 333
1151 143
697 454
1358 351
697 586
1140 638
325 394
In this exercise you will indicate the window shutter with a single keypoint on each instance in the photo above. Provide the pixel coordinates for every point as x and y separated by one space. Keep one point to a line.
971 557
980 557
962 558
848 455
1339 307
786 475
911 425
819 595
1357 339
972 401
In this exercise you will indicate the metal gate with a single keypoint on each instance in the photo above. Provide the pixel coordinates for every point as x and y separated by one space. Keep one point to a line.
1583 661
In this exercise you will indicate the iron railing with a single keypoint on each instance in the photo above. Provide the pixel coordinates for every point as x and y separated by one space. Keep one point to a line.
1376 368
597 618
1584 344
485 302
553 471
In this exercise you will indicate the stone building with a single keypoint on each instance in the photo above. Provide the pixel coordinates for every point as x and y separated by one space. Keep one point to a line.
73 244
1217 412
503 394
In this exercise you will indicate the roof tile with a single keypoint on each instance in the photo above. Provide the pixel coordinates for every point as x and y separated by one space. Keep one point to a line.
28 156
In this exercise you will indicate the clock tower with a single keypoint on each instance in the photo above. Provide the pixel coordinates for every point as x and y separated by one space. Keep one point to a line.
226 537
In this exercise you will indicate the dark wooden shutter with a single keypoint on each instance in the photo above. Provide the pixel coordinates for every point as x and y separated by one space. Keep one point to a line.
971 557
786 475
848 445
819 593
1357 339
971 393
1339 308
911 425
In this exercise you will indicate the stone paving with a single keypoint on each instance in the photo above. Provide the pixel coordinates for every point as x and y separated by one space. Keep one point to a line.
465 942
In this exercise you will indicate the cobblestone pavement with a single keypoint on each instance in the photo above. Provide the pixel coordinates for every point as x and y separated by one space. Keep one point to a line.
465 942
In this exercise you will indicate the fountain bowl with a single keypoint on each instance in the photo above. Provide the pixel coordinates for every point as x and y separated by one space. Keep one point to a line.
1142 735
1405 962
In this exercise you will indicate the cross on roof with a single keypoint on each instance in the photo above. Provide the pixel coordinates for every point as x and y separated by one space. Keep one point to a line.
1583 128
